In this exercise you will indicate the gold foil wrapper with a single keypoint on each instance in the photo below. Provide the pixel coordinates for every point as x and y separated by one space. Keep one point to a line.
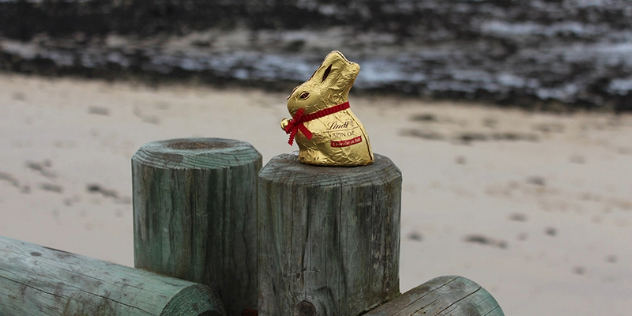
338 138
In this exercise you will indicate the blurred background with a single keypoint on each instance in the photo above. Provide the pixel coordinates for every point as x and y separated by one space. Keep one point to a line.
510 122
552 54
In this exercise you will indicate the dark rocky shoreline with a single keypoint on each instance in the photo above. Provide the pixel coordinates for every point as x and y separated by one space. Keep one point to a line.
538 54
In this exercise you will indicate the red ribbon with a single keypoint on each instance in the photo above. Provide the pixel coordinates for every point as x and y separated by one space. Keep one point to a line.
296 123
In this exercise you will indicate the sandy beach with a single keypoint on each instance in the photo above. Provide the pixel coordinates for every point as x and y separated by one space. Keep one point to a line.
535 207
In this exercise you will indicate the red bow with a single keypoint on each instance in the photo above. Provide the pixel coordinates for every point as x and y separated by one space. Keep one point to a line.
296 123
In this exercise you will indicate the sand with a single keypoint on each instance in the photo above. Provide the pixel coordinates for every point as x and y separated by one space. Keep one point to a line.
537 208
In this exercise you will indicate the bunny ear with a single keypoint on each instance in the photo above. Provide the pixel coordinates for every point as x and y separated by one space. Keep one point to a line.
326 74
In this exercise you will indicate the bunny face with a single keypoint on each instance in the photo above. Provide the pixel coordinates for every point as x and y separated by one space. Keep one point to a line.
324 127
328 86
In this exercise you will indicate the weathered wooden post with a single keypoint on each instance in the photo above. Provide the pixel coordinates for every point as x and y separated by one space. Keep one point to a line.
195 214
447 295
40 281
328 237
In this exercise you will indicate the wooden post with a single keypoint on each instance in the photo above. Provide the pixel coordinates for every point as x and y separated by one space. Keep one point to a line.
195 214
40 281
448 295
328 237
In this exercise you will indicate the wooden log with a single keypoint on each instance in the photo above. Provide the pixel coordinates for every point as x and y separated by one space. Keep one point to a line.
36 280
447 295
195 214
328 237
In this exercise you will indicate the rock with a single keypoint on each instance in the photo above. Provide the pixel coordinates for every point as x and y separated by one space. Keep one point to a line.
555 55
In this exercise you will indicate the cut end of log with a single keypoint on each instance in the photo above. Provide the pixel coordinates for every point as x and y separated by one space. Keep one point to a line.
196 153
195 300
187 144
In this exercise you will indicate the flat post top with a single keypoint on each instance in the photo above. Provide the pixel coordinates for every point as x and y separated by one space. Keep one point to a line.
196 153
286 167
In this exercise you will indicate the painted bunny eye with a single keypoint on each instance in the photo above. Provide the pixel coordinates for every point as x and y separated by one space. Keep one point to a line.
304 95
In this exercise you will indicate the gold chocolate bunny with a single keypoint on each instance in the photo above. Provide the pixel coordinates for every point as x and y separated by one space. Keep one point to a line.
325 129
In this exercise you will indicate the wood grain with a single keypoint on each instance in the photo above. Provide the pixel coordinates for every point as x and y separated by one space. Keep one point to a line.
328 237
448 295
40 281
195 214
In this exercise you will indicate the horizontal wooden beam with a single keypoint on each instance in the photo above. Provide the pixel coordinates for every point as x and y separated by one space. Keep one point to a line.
36 280
447 295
